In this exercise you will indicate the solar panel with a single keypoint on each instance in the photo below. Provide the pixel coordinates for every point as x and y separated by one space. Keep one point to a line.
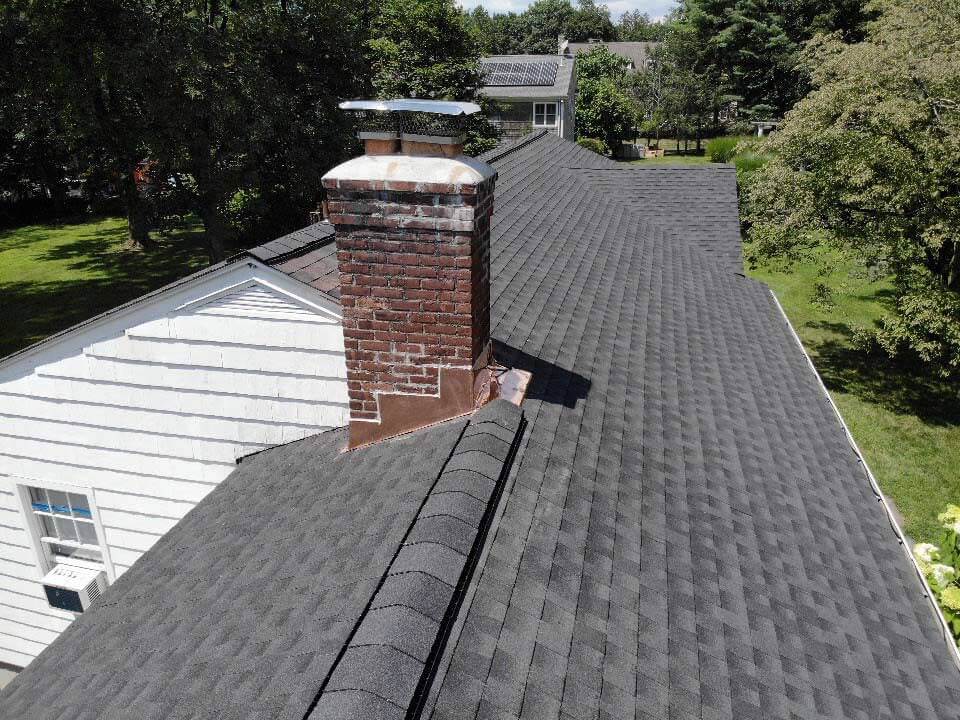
500 74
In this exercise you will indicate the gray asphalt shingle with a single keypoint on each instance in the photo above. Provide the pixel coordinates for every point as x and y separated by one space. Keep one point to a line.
685 533
688 533
308 583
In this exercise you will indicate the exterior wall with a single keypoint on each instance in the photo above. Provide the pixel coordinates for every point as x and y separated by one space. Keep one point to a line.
147 411
515 119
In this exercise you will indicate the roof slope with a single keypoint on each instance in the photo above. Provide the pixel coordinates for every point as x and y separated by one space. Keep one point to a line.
309 581
559 89
686 532
689 534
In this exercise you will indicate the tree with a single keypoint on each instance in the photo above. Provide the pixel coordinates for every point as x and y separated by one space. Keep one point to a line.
604 110
250 103
688 97
423 48
869 161
751 48
589 22
500 34
546 21
79 87
636 26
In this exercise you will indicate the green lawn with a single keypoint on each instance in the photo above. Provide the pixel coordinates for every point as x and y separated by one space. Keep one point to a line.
906 422
53 276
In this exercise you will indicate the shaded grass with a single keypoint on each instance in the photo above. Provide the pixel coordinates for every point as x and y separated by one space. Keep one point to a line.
54 276
905 420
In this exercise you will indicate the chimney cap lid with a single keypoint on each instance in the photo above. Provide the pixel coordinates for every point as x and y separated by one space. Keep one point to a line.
440 107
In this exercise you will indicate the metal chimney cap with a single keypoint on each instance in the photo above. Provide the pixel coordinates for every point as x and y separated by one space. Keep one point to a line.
440 107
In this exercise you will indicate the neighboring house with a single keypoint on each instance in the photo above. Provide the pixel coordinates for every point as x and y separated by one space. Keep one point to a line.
532 92
673 523
637 53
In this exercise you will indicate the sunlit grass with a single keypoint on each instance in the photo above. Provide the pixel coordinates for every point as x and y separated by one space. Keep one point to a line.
53 276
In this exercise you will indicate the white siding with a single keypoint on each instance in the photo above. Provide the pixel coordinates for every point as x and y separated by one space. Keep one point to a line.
151 409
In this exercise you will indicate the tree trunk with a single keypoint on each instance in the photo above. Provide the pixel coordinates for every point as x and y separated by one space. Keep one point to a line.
138 216
215 228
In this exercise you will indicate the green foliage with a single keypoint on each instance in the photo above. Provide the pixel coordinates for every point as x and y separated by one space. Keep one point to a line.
595 145
230 94
673 93
941 567
537 29
425 49
749 49
604 109
589 21
748 162
636 26
868 162
722 149
422 48
600 63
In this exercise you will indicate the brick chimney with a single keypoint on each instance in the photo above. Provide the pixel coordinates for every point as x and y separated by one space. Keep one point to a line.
412 221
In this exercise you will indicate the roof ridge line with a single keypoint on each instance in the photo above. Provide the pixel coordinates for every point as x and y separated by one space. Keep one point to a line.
452 569
536 135
289 255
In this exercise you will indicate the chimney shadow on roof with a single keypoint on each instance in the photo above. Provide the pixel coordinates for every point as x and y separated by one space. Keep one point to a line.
550 383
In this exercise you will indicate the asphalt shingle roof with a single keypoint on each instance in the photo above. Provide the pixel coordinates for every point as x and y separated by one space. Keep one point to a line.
689 533
311 582
685 532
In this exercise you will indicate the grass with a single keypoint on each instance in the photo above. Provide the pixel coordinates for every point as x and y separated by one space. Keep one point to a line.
906 422
54 276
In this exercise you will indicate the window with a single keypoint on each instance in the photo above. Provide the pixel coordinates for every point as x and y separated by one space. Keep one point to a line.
545 114
65 525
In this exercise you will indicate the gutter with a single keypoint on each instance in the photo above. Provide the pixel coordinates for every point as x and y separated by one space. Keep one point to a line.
881 498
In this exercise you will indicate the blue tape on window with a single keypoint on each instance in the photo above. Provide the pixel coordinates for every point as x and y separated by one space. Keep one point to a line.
82 512
65 509
42 507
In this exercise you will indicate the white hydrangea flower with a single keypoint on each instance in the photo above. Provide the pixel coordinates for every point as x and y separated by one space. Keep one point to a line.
941 574
926 552
950 518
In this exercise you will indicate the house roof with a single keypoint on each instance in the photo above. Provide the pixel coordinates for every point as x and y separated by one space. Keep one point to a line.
561 85
310 583
307 255
636 52
685 531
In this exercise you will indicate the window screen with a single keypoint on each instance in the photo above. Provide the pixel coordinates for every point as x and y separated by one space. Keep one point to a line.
66 525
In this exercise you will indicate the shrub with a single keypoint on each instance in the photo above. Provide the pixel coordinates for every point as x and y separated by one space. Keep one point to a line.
596 145
722 149
748 161
941 567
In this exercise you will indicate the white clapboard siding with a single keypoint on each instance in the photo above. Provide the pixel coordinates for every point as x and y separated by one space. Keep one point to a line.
149 410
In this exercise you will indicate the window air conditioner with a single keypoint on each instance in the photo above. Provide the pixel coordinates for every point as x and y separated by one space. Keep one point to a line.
73 588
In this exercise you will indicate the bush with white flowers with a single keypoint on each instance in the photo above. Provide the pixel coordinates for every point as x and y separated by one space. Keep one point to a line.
941 567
